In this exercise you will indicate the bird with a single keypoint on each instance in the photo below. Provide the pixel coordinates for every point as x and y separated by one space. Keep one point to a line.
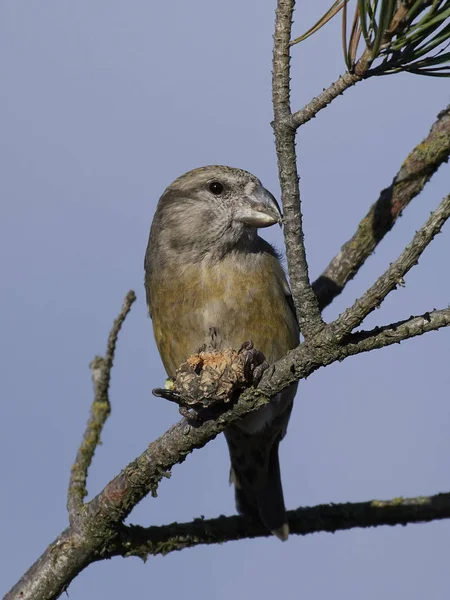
211 280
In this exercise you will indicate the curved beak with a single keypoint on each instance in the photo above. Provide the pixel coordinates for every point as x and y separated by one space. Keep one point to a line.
258 208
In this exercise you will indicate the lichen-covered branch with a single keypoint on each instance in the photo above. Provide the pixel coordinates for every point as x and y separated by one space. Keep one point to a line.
393 276
305 301
151 541
417 169
99 526
380 337
100 411
323 350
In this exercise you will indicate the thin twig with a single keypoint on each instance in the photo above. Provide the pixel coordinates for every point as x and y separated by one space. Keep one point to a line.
359 71
100 411
395 333
305 301
417 169
393 276
151 541
345 81
309 357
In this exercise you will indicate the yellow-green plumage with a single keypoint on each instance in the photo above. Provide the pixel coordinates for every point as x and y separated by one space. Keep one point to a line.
226 296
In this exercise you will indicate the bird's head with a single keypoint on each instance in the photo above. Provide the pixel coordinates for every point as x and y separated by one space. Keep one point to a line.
214 208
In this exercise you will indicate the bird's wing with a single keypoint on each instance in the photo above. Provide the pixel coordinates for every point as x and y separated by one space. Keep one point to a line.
147 278
147 293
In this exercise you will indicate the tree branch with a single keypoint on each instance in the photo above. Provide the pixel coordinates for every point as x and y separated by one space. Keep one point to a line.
151 541
417 169
393 276
100 523
306 306
337 88
323 350
100 411
380 337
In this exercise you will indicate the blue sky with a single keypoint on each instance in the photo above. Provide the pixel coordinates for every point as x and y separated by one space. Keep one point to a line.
102 104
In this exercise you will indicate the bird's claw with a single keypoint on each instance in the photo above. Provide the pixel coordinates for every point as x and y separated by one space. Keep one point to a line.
255 362
190 414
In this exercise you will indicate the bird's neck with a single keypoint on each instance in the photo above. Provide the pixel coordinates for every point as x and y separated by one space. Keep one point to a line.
217 250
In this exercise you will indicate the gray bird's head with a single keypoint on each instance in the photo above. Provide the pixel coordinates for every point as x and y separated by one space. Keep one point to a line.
213 209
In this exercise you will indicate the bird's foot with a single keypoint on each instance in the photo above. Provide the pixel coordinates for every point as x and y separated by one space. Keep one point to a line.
185 410
255 363
207 382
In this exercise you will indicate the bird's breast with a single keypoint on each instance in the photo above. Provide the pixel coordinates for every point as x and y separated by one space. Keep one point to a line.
223 304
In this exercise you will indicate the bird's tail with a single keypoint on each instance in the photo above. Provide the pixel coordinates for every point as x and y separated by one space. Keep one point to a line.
255 473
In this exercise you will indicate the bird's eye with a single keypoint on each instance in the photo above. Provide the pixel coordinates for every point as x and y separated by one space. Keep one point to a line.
216 188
